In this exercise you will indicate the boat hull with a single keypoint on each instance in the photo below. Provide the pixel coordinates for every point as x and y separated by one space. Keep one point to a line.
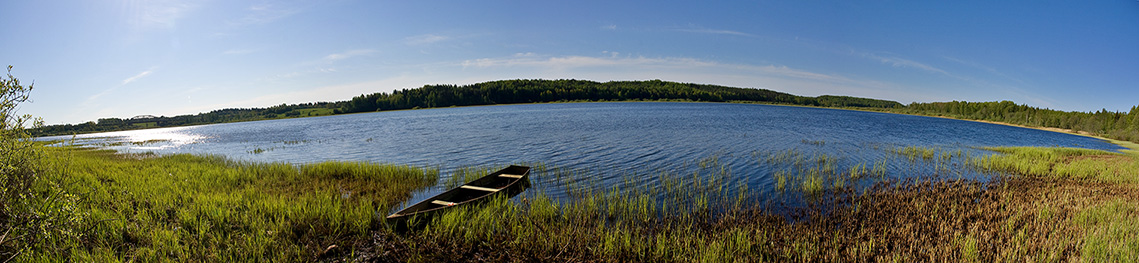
507 182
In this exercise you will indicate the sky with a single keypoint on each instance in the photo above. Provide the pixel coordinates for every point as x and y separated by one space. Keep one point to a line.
106 58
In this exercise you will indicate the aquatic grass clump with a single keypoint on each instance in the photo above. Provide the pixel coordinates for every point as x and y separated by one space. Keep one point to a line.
815 173
913 153
467 174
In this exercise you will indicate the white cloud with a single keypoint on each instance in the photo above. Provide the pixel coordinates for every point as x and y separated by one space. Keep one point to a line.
161 14
239 51
990 70
137 76
901 62
268 12
349 54
715 31
609 27
775 77
424 39
315 94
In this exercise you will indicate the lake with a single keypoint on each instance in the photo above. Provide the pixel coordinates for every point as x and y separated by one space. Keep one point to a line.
609 140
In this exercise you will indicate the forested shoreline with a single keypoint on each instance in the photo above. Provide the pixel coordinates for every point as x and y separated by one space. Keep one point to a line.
485 93
1115 125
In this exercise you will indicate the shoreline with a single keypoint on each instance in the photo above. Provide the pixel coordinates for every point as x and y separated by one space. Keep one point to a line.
1132 146
920 220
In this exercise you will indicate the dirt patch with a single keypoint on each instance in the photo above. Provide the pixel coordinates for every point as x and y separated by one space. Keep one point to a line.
1111 158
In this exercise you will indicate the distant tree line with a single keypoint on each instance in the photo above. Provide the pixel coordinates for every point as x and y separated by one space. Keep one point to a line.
531 91
216 116
486 93
1115 125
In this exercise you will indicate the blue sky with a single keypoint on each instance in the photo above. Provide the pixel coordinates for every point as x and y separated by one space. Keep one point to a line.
93 59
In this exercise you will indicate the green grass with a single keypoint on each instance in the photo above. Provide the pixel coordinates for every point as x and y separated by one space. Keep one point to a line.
145 125
308 112
208 208
816 173
1057 162
1112 232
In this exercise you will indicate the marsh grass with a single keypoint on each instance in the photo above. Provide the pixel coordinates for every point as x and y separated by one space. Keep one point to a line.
145 207
1017 219
1112 231
1061 163
207 208
815 173
1008 218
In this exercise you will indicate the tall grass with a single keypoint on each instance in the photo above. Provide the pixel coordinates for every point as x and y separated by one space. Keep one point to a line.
1010 218
1112 232
208 208
815 173
1061 163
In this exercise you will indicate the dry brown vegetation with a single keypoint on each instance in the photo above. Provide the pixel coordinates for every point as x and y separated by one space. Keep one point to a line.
1057 216
1014 219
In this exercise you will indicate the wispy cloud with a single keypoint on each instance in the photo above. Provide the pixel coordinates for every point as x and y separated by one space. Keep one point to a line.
162 14
268 12
775 77
661 64
990 70
239 51
901 62
714 31
609 27
349 54
424 39
137 76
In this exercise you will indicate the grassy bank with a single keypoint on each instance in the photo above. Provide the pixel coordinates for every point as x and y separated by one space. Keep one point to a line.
209 209
1061 205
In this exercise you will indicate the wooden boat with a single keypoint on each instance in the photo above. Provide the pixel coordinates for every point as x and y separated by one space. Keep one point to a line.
509 181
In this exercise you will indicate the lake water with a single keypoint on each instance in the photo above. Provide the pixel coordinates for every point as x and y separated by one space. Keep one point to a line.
598 137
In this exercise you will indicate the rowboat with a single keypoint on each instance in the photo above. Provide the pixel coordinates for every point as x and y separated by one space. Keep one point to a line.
509 181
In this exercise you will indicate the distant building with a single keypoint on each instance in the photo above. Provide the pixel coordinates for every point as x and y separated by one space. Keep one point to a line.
139 117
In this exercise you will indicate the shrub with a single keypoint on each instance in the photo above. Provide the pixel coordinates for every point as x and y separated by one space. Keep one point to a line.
34 211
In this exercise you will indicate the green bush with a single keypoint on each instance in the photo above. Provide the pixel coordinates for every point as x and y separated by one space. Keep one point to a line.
34 211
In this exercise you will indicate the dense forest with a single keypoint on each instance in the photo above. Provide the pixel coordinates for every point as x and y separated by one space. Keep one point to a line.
217 116
532 91
1116 125
486 93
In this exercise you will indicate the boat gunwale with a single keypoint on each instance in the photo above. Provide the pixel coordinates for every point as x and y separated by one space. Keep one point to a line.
513 182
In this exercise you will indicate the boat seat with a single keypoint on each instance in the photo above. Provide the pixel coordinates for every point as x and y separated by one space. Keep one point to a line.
515 176
441 202
479 188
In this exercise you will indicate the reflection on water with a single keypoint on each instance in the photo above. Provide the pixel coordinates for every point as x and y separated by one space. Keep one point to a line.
133 141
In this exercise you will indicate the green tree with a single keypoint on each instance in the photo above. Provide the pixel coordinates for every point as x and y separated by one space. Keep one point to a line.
35 213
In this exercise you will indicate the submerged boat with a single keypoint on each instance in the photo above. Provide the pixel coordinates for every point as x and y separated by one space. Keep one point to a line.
509 182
